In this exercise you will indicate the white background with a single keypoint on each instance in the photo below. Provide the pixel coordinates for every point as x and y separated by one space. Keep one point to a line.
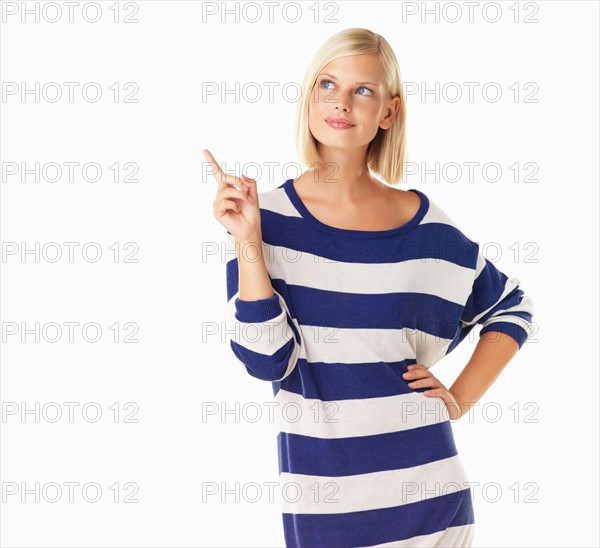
546 231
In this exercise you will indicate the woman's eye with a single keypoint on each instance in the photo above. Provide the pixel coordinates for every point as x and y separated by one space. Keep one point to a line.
323 84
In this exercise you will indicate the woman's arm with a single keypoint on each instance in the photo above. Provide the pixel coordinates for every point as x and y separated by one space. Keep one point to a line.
493 352
264 338
253 275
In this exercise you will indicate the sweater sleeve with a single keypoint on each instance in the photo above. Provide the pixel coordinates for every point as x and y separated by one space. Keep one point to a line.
263 337
498 303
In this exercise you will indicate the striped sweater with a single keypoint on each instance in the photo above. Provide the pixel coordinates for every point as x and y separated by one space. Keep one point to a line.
364 459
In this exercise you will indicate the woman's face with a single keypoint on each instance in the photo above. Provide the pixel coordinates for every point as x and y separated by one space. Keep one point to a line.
352 88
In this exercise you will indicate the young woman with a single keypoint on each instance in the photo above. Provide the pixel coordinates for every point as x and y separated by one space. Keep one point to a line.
344 292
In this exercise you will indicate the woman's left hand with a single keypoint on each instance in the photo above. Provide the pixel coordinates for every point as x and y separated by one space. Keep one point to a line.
421 377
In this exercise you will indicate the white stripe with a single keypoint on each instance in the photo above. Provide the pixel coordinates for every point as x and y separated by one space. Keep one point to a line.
435 214
307 494
413 276
359 417
362 345
277 201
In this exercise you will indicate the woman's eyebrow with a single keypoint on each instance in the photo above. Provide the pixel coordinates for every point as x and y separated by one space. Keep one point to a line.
332 76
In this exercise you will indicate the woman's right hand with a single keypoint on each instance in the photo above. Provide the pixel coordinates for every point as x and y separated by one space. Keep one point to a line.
236 205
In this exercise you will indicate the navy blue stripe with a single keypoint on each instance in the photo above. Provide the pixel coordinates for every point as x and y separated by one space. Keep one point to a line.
422 311
382 525
364 454
430 240
342 381
262 366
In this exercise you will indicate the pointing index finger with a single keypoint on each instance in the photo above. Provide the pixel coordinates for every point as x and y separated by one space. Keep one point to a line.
221 177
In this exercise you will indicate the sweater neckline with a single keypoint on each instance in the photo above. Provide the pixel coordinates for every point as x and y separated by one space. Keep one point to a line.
290 190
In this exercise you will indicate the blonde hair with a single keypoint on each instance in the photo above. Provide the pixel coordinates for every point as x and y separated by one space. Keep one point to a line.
386 153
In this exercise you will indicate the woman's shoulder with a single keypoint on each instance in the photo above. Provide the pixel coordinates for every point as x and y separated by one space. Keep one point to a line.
405 201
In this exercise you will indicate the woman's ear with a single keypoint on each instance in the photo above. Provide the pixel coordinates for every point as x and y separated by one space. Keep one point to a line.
390 113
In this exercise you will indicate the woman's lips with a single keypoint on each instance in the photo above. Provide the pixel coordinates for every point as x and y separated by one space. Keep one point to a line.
338 124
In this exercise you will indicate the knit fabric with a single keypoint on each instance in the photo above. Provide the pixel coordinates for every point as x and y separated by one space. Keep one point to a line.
364 459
